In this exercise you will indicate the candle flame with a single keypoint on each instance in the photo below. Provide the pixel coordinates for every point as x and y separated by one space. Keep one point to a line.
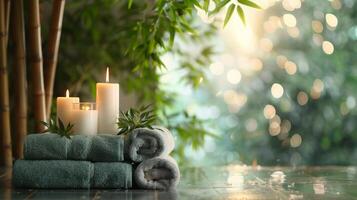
85 108
67 93
107 75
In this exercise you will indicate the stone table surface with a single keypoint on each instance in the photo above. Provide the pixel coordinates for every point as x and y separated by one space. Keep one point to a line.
226 182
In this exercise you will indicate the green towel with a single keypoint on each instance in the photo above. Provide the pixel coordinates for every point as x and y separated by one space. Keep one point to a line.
106 148
98 148
112 175
52 174
46 146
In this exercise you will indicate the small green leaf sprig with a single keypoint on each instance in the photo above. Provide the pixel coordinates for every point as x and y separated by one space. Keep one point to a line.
60 129
136 118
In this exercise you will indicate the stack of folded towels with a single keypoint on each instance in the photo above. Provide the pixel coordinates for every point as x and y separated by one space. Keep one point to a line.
138 160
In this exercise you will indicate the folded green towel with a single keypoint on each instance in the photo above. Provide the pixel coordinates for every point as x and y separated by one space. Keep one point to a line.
98 148
46 146
52 174
106 148
112 175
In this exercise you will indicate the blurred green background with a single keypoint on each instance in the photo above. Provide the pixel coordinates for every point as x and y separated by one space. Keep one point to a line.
278 91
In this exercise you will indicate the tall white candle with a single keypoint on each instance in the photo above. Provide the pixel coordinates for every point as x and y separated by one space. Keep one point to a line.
84 118
107 100
65 107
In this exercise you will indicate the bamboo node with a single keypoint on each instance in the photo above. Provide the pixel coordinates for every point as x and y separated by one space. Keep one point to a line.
5 108
3 70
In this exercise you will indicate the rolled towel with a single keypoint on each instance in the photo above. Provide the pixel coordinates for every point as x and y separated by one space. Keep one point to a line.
46 146
112 175
52 174
145 143
157 173
98 148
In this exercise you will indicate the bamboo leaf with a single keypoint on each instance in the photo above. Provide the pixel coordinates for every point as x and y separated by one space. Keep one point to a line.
249 3
206 5
219 6
229 14
130 3
241 14
195 2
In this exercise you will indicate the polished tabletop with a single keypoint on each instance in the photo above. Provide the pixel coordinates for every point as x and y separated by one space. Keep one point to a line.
225 182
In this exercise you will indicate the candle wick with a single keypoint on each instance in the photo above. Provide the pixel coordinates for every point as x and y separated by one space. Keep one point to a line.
107 75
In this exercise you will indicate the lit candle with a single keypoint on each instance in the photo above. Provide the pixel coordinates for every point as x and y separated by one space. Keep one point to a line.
65 107
108 106
84 118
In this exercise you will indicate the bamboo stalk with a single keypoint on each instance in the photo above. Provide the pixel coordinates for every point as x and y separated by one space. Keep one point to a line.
7 18
20 82
36 64
6 151
52 51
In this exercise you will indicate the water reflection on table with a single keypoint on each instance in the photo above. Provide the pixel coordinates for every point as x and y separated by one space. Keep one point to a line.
227 182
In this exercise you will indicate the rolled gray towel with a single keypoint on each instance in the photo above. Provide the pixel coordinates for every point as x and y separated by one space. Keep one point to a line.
52 174
145 143
97 148
157 173
112 175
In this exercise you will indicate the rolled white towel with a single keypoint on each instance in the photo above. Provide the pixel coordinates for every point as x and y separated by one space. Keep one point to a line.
145 143
160 173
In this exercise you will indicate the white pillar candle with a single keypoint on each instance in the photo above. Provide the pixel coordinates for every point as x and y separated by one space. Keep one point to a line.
107 100
65 107
84 118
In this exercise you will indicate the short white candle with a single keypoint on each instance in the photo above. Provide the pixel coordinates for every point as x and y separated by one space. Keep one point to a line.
84 118
65 107
107 100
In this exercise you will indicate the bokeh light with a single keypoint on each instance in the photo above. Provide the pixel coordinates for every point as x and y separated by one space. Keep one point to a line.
216 68
289 20
266 44
277 90
302 98
295 140
327 47
331 20
269 111
317 26
234 76
290 67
